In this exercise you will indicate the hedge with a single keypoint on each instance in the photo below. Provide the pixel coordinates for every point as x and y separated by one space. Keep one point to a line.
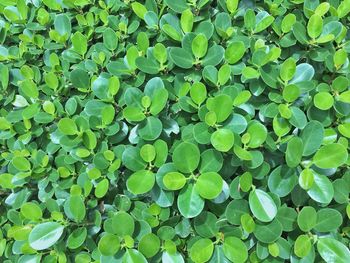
174 131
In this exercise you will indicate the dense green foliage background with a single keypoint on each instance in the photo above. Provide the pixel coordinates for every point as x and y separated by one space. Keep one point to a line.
174 131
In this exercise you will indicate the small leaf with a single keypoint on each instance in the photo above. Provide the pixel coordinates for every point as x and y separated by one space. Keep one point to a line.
105 245
199 46
181 57
262 205
314 26
235 250
79 42
330 156
45 235
209 185
222 140
331 250
67 126
31 211
302 246
307 218
234 52
186 157
174 180
189 202
140 182
202 250
139 9
187 20
288 69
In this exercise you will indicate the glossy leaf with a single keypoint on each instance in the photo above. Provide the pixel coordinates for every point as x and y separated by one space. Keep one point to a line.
45 235
262 205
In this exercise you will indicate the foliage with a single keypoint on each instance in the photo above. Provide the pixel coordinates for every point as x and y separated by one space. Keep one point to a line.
174 131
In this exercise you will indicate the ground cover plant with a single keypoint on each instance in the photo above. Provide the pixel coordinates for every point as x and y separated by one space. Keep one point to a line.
174 131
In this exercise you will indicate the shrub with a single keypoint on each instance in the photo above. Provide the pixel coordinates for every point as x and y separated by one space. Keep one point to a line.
174 131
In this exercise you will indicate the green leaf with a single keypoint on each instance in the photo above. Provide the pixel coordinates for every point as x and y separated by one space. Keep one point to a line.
303 72
77 238
67 126
110 39
79 42
160 53
302 246
312 137
263 20
291 93
328 219
101 188
177 6
198 92
332 250
187 20
186 157
221 105
202 250
258 134
159 95
262 205
172 33
235 250
314 26
132 255
199 46
288 69
214 56
306 179
77 208
232 5
222 140
307 218
323 100
189 202
149 245
282 180
287 23
174 181
294 152
140 182
209 185
340 57
133 114
21 163
268 233
247 223
31 211
146 65
205 225
234 52
181 57
148 152
330 156
150 129
322 190
45 235
63 25
124 219
29 88
105 244
139 9
80 79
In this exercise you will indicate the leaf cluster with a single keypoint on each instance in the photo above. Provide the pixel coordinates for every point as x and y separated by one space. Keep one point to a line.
174 131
